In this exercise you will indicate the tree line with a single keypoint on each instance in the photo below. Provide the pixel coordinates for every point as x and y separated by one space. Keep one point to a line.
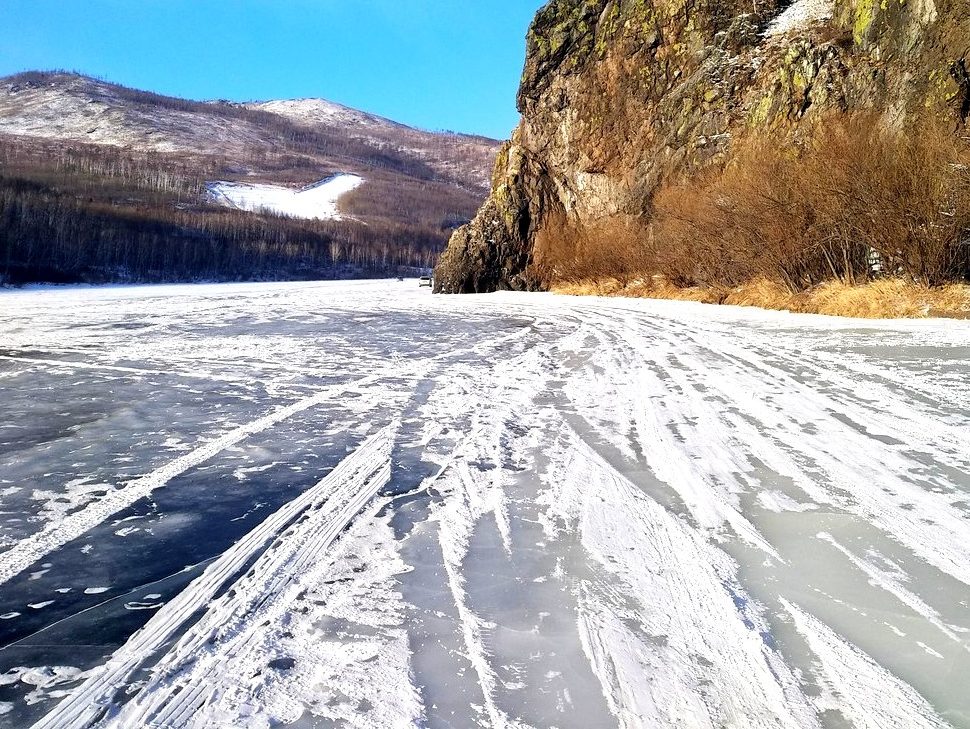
84 213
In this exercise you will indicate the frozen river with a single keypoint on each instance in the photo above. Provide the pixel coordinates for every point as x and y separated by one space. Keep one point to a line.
360 505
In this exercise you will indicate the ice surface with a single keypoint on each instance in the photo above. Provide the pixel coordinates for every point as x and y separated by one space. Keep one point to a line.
356 504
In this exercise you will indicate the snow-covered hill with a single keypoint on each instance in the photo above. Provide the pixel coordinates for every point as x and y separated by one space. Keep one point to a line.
77 108
85 160
72 107
457 156
321 111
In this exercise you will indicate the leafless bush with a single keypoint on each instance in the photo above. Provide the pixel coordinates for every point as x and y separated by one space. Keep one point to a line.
855 203
857 194
612 248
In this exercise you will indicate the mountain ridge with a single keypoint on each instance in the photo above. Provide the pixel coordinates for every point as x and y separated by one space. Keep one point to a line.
99 182
68 106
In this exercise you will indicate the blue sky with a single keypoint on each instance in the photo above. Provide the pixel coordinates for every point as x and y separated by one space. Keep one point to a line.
436 64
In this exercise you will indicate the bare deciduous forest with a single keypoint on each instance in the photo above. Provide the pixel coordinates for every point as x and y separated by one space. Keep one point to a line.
79 212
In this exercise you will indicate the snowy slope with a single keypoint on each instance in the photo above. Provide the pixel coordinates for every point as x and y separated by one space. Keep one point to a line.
321 111
70 107
461 157
81 109
361 505
318 201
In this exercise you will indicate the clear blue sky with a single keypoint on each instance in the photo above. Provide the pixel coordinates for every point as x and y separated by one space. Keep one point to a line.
436 64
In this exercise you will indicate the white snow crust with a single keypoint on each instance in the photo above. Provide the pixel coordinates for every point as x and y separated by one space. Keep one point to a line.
531 510
856 680
799 15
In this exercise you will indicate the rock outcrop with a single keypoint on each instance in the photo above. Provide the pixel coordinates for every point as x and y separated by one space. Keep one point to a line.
618 96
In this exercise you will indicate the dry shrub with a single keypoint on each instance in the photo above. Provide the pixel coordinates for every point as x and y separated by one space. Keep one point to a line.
655 287
594 287
886 298
803 216
859 221
952 300
762 292
609 249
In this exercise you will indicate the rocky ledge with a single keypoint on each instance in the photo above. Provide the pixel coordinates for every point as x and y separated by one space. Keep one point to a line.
618 96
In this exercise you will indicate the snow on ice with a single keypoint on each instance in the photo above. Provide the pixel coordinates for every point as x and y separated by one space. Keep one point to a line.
361 505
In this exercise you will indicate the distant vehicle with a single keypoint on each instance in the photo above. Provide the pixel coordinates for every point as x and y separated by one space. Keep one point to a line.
424 281
400 278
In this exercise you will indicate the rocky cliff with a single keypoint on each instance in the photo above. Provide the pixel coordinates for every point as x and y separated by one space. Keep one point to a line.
617 96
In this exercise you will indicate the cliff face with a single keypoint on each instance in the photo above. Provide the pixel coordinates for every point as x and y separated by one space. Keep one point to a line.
619 95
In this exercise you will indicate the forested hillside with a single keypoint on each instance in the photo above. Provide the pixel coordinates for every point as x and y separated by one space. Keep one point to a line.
101 183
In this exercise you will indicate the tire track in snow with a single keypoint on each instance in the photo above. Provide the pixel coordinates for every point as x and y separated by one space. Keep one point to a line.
460 516
473 482
861 475
680 644
750 396
868 695
300 532
699 470
472 495
851 470
55 535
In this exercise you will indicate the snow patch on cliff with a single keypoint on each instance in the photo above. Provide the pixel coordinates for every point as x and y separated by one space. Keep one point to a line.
799 15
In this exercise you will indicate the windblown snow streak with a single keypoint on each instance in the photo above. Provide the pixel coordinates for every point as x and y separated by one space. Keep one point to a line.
301 532
686 609
58 533
359 505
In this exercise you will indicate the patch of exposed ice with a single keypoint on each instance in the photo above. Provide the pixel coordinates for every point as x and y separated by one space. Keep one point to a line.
780 502
890 578
56 534
868 695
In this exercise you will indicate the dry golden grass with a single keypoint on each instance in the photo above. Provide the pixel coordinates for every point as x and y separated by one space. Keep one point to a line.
763 293
882 299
